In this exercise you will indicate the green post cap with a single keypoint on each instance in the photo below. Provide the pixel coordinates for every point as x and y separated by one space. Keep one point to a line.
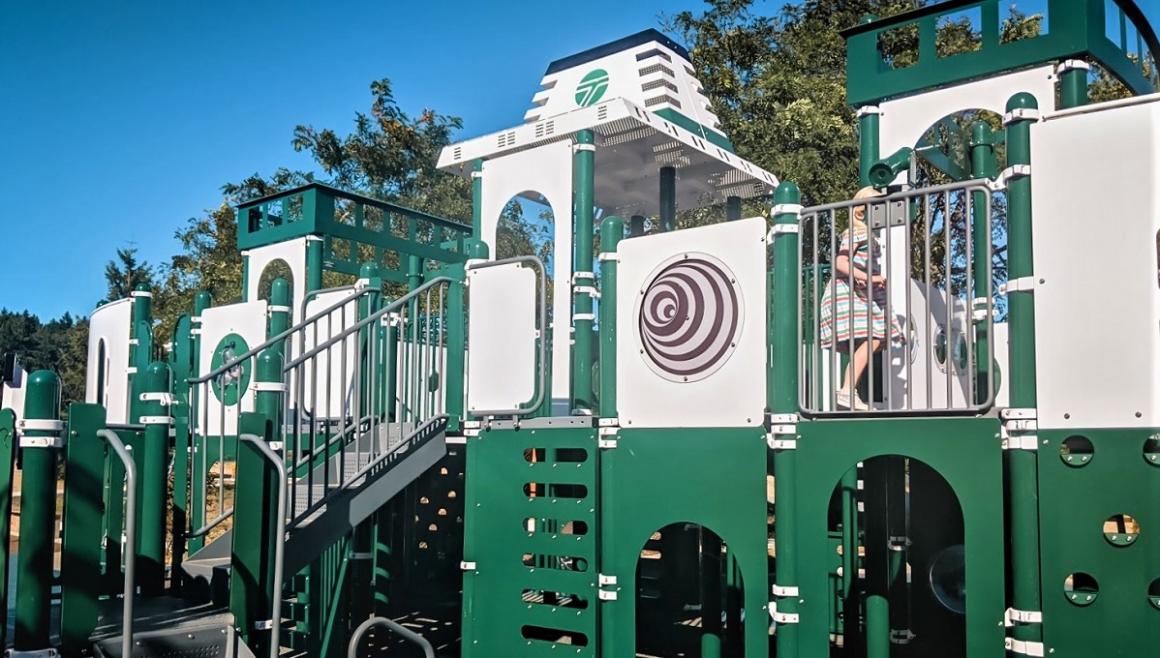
475 249
368 270
202 301
981 133
610 226
269 367
787 192
280 292
43 397
1022 101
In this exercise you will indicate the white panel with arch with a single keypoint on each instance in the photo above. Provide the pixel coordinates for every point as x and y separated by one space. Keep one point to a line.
107 371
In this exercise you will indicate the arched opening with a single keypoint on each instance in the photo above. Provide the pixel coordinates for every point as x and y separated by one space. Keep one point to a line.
275 269
689 595
898 571
527 227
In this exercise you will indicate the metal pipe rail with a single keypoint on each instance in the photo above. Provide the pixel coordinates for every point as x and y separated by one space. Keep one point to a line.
224 516
406 633
279 542
910 267
114 441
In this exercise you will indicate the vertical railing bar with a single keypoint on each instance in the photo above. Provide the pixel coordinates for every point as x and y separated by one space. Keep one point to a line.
871 267
971 337
816 303
990 303
948 330
928 315
908 328
888 348
835 355
329 386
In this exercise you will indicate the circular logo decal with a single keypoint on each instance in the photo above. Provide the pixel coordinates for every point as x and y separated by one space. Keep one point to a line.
689 317
229 386
592 87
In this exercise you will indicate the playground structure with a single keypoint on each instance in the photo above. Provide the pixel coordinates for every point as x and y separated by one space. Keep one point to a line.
635 448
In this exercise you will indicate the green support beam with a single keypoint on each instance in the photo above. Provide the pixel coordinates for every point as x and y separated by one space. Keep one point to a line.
251 557
668 198
201 302
611 232
1023 465
153 489
783 400
868 120
37 511
983 165
7 465
181 357
583 279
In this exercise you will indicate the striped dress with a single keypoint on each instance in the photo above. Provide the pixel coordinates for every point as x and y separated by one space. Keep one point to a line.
847 314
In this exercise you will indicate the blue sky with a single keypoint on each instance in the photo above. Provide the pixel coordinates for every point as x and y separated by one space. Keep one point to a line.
122 119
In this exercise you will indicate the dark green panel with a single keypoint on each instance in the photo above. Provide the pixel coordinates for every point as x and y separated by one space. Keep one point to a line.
7 463
496 608
657 477
966 452
1075 501
81 542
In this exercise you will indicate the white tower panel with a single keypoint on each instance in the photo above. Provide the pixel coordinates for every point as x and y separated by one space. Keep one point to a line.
107 372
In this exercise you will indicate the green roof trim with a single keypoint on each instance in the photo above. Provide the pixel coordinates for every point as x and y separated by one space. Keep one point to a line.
716 138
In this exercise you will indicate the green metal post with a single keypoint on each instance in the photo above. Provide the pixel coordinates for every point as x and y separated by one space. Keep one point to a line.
313 263
245 276
280 311
983 165
37 511
668 199
181 361
783 400
255 505
201 302
611 232
867 141
583 279
152 490
733 208
7 466
1073 86
1023 464
636 226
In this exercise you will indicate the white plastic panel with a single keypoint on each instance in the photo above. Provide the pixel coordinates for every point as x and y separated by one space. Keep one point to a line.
12 393
247 320
705 367
1000 332
501 365
336 399
1096 219
546 170
293 252
109 326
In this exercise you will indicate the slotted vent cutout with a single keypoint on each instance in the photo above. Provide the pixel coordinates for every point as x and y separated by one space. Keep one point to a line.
658 84
655 68
660 100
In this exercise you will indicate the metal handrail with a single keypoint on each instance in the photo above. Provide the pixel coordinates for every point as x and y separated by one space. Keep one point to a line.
361 324
406 633
130 538
542 380
279 542
211 525
278 338
347 429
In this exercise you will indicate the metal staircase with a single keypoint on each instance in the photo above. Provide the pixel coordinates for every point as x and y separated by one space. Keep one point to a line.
388 369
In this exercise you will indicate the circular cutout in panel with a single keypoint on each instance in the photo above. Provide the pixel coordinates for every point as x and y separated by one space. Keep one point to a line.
1154 593
1152 450
1081 588
948 578
689 317
229 386
1121 530
1076 451
940 349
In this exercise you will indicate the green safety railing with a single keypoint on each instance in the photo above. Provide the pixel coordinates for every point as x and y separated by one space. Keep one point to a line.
1113 33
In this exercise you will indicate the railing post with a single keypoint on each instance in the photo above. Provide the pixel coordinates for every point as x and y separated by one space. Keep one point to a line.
7 466
197 485
783 400
1073 83
583 279
868 119
85 456
255 510
611 232
181 358
1022 111
154 462
38 446
370 372
983 165
280 311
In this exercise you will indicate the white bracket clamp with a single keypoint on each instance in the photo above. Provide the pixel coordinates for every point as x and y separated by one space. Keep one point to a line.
781 591
141 293
577 276
602 581
264 625
1024 648
576 148
901 636
156 420
1021 114
270 387
276 308
586 290
783 617
606 433
166 399
1021 284
1072 65
40 425
580 317
1013 616
468 566
609 256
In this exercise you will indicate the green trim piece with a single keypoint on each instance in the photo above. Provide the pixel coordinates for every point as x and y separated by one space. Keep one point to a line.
584 192
1076 30
80 559
716 138
7 466
251 556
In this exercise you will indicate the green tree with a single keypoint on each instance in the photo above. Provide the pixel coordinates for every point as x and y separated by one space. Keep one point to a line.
125 272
